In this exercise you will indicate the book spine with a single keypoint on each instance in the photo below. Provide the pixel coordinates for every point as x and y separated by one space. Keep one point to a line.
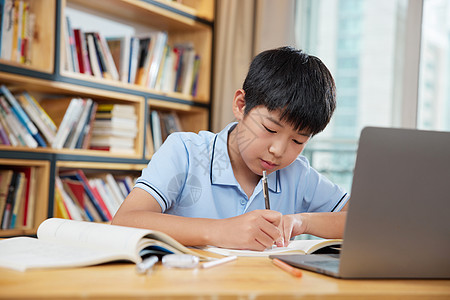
11 136
23 117
6 218
24 138
72 47
3 136
7 29
42 113
108 57
35 117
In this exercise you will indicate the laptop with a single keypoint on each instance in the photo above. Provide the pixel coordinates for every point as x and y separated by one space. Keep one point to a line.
398 221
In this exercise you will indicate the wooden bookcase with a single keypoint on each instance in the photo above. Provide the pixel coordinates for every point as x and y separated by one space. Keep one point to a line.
44 77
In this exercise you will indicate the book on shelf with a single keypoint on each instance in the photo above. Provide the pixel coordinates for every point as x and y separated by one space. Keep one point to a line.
85 137
24 138
149 147
30 196
114 128
66 243
120 52
111 65
39 118
6 180
67 114
13 200
71 205
71 49
17 209
157 58
22 116
9 132
17 30
75 189
97 201
94 60
145 48
17 197
162 125
156 129
4 139
106 193
133 59
80 125
100 53
82 52
6 35
295 246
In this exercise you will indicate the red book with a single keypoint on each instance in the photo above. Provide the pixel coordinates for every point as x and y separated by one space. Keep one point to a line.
98 203
80 44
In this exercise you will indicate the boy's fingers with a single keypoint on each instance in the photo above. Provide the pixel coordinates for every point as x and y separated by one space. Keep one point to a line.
272 216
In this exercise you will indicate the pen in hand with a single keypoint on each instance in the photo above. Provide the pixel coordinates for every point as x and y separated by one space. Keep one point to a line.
265 190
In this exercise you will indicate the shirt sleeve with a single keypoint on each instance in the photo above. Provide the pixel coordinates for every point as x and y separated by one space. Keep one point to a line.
165 175
322 195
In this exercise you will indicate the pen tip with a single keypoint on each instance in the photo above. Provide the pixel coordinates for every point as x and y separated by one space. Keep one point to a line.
264 173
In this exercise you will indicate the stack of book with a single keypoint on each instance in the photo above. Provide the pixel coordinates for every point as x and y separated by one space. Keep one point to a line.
22 121
94 199
17 30
114 128
17 197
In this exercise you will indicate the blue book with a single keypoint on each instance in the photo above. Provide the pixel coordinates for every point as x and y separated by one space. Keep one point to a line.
22 116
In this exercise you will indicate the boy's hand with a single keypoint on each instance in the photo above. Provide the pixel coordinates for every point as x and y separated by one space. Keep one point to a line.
255 230
291 225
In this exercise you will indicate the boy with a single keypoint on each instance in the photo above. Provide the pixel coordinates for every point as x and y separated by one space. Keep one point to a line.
205 189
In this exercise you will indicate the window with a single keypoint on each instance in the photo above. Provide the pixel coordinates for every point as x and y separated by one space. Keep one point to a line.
434 76
361 42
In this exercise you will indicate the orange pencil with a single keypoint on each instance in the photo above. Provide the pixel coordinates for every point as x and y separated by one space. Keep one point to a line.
293 271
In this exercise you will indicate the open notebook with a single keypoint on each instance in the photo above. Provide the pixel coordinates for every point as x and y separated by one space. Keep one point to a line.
295 246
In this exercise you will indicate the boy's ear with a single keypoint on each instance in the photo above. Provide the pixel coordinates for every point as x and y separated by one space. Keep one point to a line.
239 104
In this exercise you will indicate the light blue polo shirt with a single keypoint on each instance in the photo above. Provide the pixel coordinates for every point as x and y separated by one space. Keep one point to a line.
191 176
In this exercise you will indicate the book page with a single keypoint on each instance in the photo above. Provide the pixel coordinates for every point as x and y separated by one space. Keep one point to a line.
92 235
295 246
68 243
22 253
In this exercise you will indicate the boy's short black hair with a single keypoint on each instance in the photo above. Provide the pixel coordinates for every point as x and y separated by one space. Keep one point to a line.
297 84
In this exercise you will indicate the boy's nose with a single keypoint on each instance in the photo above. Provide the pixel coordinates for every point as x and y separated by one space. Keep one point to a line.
277 148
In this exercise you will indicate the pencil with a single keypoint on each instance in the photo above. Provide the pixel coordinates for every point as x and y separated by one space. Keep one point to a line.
281 264
265 190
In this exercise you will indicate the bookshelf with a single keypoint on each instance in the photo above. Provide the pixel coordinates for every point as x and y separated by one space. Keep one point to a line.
43 74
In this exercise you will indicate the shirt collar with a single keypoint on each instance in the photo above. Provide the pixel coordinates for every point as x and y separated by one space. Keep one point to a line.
221 171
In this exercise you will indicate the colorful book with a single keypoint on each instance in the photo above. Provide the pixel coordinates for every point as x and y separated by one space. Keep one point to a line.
22 116
9 204
5 181
98 203
7 25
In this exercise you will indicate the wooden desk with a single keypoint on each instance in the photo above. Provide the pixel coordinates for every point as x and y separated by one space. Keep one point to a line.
245 278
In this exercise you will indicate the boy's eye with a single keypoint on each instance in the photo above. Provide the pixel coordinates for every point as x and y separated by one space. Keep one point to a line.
271 131
297 142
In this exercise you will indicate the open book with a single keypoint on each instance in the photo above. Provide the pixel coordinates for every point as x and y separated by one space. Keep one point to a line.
294 247
66 243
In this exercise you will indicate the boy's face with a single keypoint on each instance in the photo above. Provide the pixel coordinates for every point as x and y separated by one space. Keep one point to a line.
264 142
